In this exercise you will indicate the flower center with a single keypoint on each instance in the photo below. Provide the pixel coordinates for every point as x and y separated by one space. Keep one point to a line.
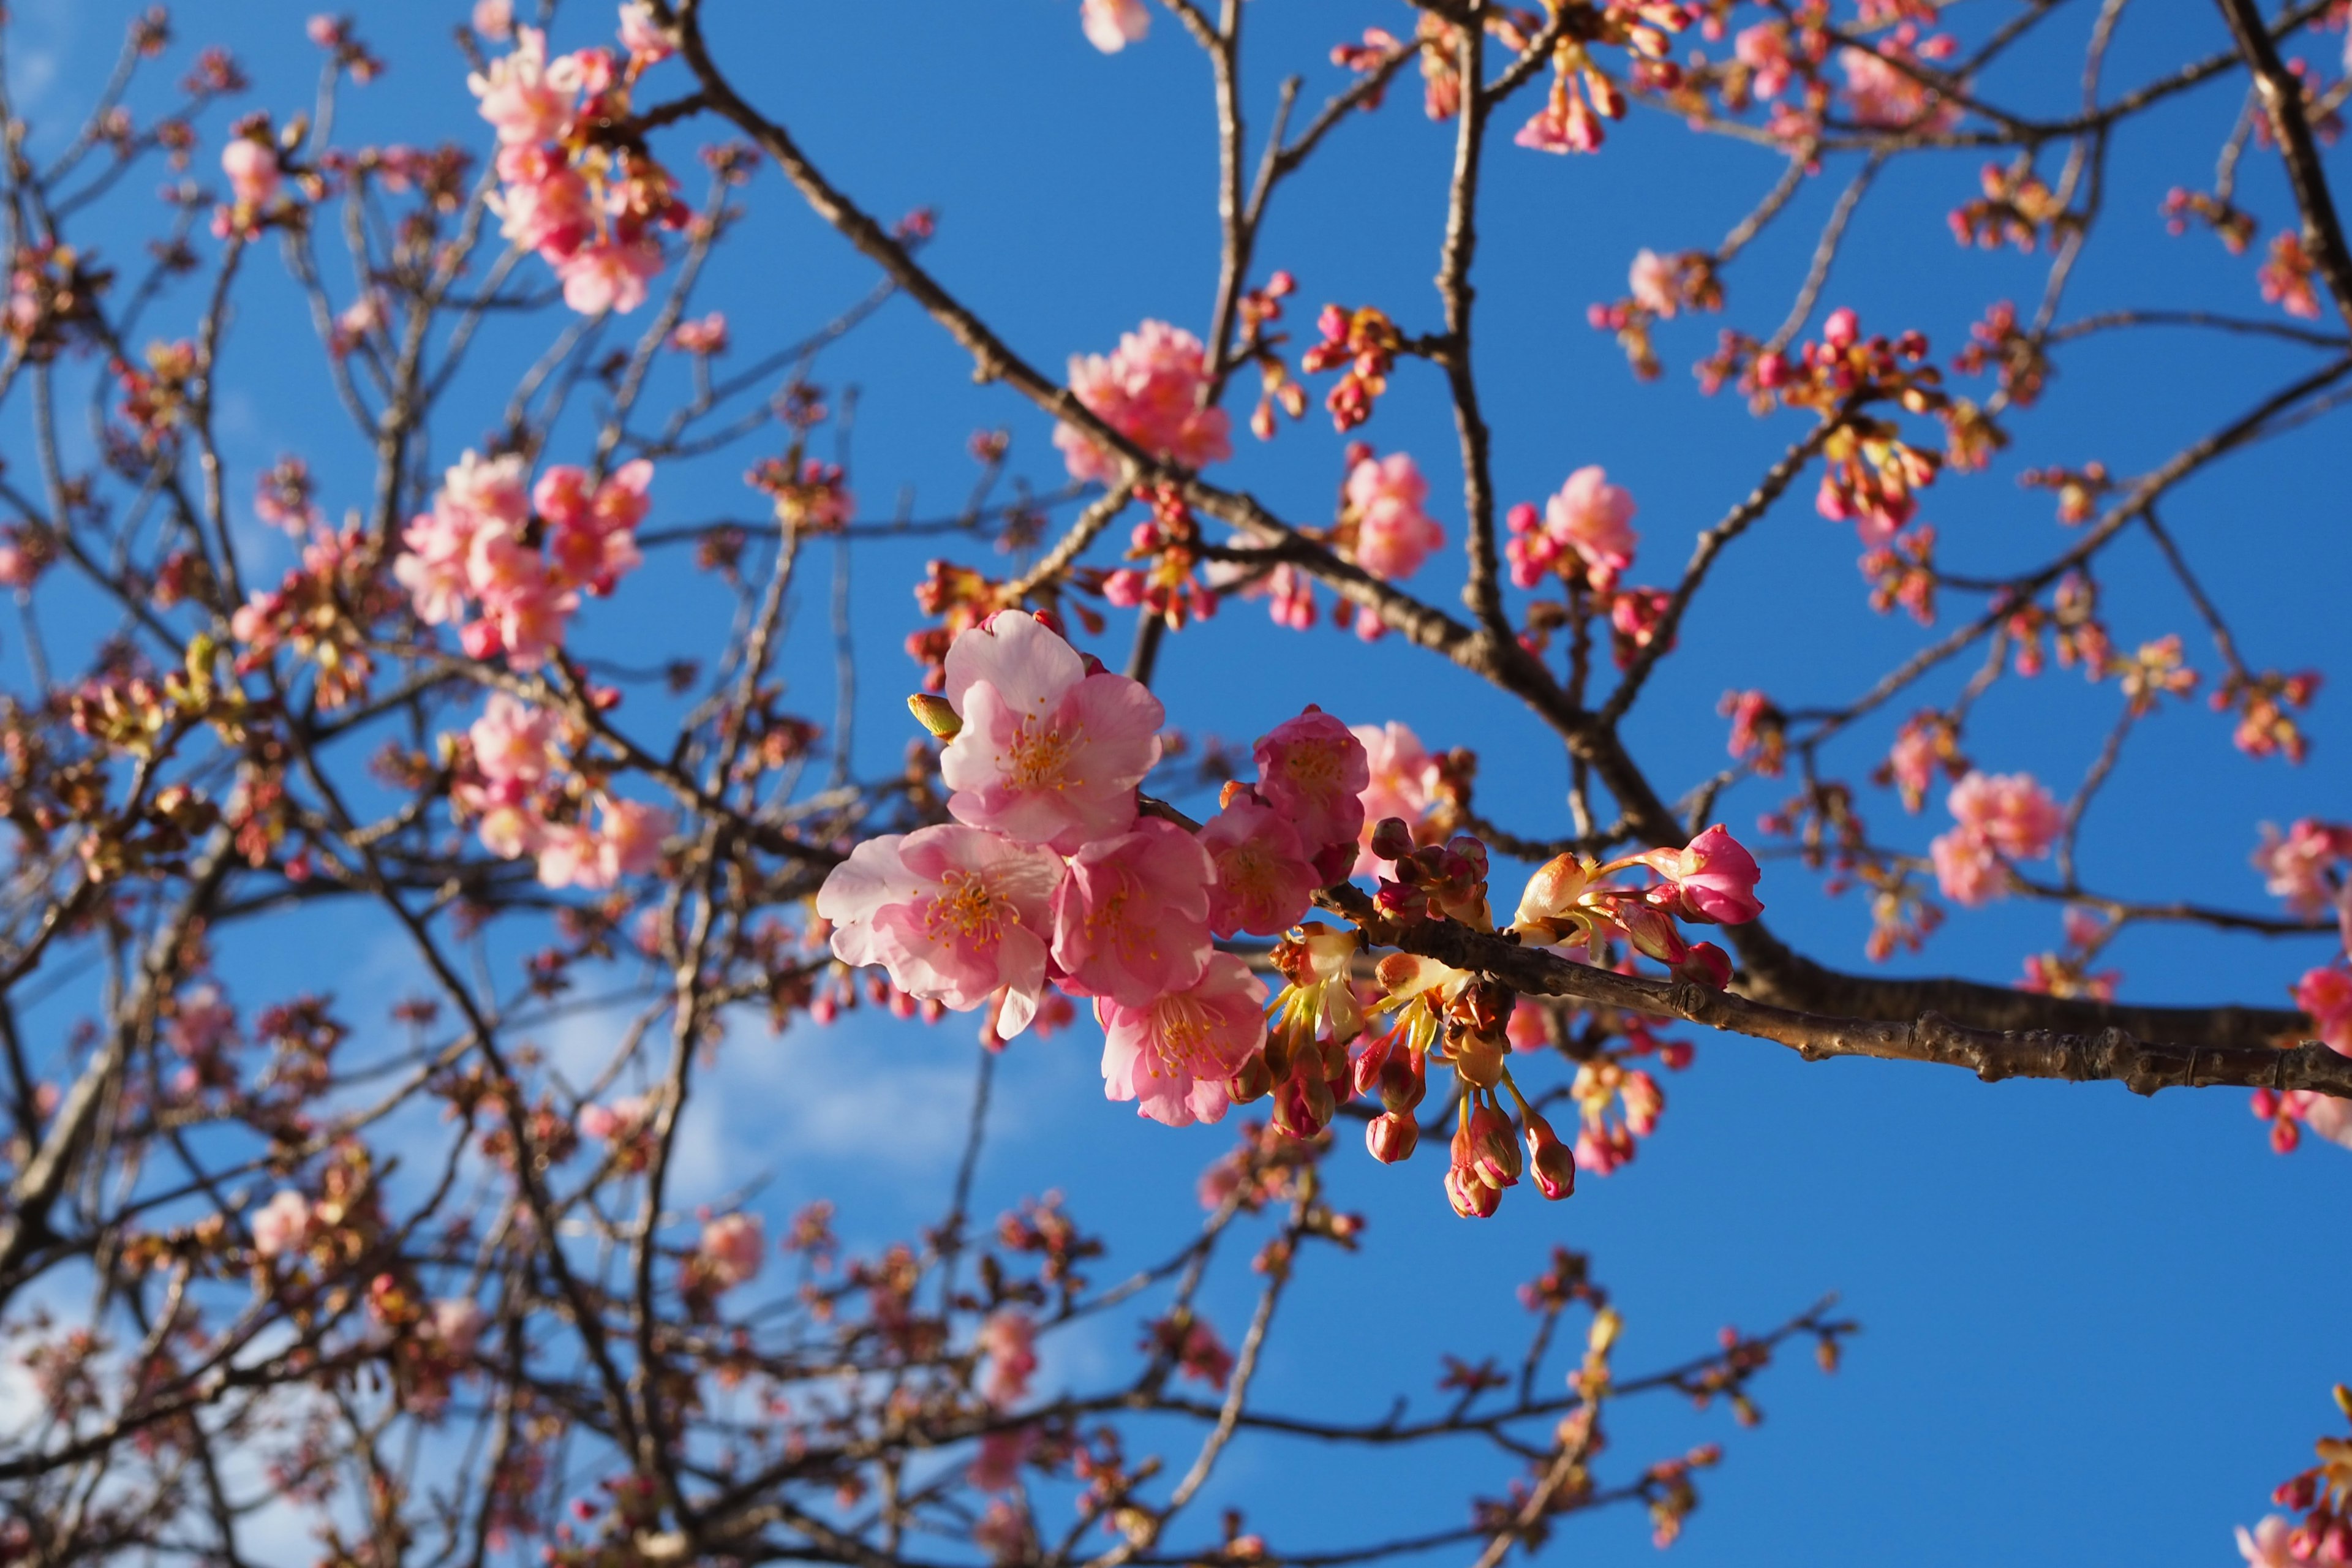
964 908
1186 1037
1040 754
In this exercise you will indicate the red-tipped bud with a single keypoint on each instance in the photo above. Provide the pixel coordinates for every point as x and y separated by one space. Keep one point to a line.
1392 840
1392 1138
1254 1081
1551 1162
1494 1147
1302 1104
1471 1198
1653 932
1404 1079
1371 1063
1707 964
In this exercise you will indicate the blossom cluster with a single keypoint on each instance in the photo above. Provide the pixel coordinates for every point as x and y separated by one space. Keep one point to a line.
526 799
507 564
1149 390
588 203
2000 817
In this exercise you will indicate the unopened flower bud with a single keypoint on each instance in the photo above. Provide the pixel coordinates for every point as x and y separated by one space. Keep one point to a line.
1391 1138
1494 1147
1707 964
1254 1081
934 714
1302 1104
1478 1060
1471 1198
1403 1080
1653 932
1392 840
1550 1162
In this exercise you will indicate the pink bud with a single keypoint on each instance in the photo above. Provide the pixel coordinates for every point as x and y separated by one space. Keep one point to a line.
1391 1138
1551 1162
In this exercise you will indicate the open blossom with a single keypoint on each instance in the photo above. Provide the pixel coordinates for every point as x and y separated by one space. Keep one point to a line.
1112 25
1048 753
1313 770
1401 780
252 168
457 1324
2325 994
279 1225
1393 535
2271 1544
520 95
1713 879
1652 280
953 912
642 35
1588 525
1881 93
611 1124
1174 1054
707 335
591 539
1999 814
2295 867
1764 50
1132 917
513 741
1265 882
732 1249
1148 389
1009 1340
494 19
613 275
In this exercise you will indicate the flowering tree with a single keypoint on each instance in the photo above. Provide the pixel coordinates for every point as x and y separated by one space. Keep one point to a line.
430 1288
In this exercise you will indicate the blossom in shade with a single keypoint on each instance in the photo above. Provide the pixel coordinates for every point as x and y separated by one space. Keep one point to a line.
1174 1054
1009 1340
1132 917
1587 529
1265 882
732 1248
1112 25
1393 535
1711 879
997 1466
953 912
1998 815
1048 752
1401 780
1313 770
2325 994
281 1225
1148 389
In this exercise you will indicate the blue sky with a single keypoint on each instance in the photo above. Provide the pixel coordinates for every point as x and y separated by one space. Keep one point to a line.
2086 1313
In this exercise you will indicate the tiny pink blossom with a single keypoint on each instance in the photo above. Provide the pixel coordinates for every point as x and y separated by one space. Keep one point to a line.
545 204
1393 535
513 741
732 1249
2273 1544
643 36
1265 882
610 276
253 171
1009 1340
1764 50
1148 389
1175 1054
457 1324
1131 918
2325 994
2008 811
609 1123
953 912
1653 280
517 95
706 336
1048 753
281 1223
494 19
1595 518
1313 771
997 1466
2295 868
629 837
1399 783
1111 24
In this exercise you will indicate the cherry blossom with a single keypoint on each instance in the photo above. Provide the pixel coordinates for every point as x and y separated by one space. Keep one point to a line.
519 97
1713 879
2325 994
1586 530
281 1223
1148 389
1313 770
1265 881
1393 535
953 912
1131 918
2295 867
254 177
1174 1054
1400 778
1048 752
733 1247
1112 25
1009 1340
2004 814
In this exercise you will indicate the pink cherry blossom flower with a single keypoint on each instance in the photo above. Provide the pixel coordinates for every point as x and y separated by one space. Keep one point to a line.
544 204
517 97
1131 918
1009 1340
2294 867
1713 879
1764 50
1265 881
733 1247
281 1223
2325 994
2272 1545
1147 390
494 19
1880 93
1002 1532
997 1466
1653 280
513 741
1048 753
1399 783
953 912
1174 1054
610 1123
1112 25
611 275
1966 868
629 837
1595 518
706 336
458 1323
1393 535
2324 1113
2008 811
592 541
1313 771
253 173
643 36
